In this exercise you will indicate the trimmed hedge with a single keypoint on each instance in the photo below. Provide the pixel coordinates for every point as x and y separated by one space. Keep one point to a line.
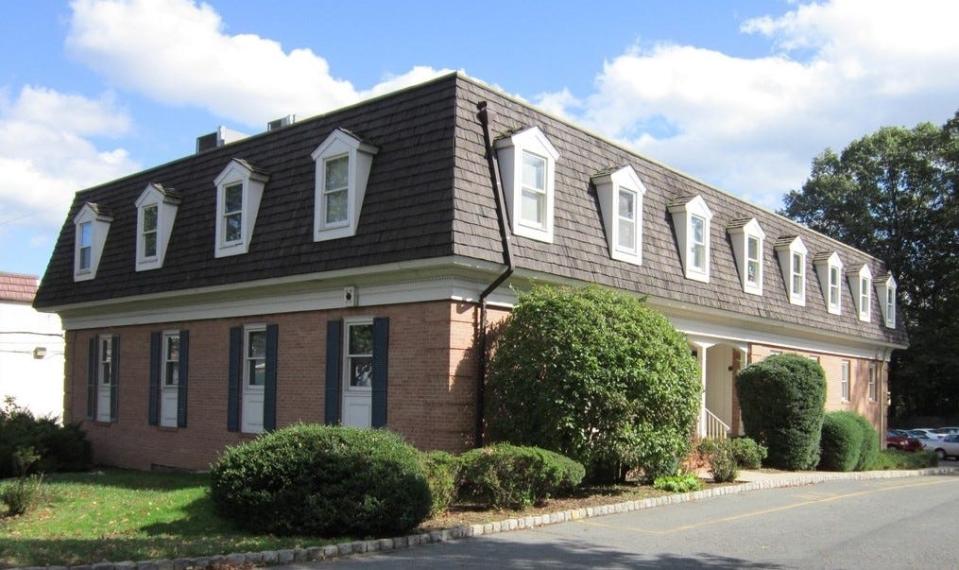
870 442
310 479
841 442
510 476
596 375
782 400
442 475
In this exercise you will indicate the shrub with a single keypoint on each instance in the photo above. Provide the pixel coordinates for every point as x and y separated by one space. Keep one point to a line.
841 442
22 494
322 480
596 375
510 476
683 483
896 459
722 459
442 475
870 442
60 448
748 453
782 401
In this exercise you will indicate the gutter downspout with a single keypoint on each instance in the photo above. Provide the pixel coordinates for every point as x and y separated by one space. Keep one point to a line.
484 118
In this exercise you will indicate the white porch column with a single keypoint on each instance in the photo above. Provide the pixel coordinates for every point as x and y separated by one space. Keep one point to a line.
701 346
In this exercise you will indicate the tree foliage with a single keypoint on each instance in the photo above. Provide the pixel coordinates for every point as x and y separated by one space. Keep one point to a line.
893 194
596 375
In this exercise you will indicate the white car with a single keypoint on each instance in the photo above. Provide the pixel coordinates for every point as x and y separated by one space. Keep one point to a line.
926 433
950 430
948 447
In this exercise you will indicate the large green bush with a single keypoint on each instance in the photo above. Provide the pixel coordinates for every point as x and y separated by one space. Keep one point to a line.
782 400
841 442
596 375
510 476
748 453
324 481
870 442
59 448
442 475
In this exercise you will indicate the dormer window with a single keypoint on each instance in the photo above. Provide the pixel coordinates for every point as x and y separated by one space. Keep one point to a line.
829 269
861 284
239 189
620 195
343 163
792 260
156 212
747 239
691 219
887 296
527 162
92 223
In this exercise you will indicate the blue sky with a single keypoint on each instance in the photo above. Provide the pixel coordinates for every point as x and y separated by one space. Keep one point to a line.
741 95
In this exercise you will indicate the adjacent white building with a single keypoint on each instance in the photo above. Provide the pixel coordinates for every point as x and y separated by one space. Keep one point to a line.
31 348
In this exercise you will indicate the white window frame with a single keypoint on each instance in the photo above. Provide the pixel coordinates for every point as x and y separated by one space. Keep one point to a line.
165 357
510 151
104 345
228 214
359 155
683 212
873 386
237 172
325 193
609 185
167 203
827 264
845 379
145 232
861 285
886 286
789 249
99 224
539 194
247 332
81 246
741 233
347 355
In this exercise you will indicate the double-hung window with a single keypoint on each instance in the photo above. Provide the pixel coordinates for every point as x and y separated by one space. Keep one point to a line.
844 380
233 214
798 274
359 355
239 188
627 220
171 359
865 296
752 260
533 196
697 246
255 358
792 260
620 193
106 360
873 382
336 185
691 221
149 232
85 245
747 237
156 212
834 290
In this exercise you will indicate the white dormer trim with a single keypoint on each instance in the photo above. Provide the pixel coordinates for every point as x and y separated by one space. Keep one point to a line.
886 287
741 236
612 188
685 216
510 152
341 144
98 223
237 172
166 204
829 270
860 282
792 255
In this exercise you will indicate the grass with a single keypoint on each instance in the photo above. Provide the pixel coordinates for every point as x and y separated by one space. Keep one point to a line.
126 515
896 459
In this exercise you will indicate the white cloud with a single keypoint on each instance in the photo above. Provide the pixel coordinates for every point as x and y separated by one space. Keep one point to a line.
46 154
836 71
178 52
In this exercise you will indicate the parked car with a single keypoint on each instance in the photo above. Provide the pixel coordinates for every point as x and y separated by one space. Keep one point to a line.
951 430
946 448
925 433
899 432
896 439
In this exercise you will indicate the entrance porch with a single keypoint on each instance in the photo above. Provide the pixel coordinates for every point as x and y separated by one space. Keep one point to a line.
719 363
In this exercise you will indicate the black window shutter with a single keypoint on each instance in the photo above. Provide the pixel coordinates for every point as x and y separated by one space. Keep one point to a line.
233 394
92 366
269 388
114 377
153 398
334 356
183 377
381 344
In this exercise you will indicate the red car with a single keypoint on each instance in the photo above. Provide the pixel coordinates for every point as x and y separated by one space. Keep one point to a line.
896 440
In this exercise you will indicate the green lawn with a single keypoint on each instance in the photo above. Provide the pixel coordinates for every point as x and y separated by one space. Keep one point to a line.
126 515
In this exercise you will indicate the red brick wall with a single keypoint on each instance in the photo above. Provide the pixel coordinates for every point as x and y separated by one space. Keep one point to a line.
432 375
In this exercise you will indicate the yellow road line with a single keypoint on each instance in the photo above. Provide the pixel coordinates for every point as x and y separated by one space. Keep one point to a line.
767 511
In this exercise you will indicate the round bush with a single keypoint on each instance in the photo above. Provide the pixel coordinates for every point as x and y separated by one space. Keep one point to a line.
748 453
442 474
510 476
782 400
722 463
596 375
324 481
870 442
841 442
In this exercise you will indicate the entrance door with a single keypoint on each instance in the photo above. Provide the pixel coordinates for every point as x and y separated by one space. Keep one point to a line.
105 377
171 379
358 374
254 379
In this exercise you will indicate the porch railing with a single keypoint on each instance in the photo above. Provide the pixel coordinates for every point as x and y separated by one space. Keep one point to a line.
715 428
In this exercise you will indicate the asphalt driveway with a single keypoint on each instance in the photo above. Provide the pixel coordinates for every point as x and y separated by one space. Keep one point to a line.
891 523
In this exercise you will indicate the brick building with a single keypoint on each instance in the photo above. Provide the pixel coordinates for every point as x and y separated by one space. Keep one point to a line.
341 269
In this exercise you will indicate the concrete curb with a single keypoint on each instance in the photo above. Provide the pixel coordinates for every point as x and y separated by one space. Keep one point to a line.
343 549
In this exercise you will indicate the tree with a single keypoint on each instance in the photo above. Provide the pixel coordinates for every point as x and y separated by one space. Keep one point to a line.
597 375
893 194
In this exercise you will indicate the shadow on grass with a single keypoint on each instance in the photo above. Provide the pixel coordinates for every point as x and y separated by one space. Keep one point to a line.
132 480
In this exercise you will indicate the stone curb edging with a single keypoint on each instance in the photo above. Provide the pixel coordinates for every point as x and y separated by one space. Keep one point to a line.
332 551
